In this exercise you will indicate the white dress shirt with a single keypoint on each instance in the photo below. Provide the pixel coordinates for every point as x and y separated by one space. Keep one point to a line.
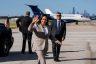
45 29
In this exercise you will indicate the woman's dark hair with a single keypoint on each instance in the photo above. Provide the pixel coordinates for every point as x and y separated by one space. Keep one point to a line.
42 17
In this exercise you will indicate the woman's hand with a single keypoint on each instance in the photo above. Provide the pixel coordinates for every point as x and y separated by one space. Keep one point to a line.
35 19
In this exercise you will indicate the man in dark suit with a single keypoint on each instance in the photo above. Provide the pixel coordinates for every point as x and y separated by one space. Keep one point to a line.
23 24
58 35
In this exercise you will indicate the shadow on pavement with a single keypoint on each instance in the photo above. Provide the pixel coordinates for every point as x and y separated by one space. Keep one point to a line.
80 59
67 51
17 56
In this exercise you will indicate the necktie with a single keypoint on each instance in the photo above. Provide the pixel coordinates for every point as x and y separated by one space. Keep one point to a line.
58 28
59 25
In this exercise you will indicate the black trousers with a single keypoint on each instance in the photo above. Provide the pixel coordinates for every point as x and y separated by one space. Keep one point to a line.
56 48
26 36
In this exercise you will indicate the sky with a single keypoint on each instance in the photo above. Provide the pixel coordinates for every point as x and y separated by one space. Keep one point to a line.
18 7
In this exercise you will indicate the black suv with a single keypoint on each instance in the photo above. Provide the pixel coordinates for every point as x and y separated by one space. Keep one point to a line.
6 40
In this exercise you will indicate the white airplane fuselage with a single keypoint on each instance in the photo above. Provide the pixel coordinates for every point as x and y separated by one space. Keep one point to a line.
77 17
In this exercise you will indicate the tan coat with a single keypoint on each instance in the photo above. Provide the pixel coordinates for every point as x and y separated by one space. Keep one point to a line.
39 39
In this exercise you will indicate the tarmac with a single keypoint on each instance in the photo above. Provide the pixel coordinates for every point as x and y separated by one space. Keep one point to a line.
79 47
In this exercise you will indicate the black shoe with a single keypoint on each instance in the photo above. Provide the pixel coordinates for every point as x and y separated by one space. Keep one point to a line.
57 60
30 52
22 52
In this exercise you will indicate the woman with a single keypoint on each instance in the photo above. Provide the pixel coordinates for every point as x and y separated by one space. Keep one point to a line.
40 37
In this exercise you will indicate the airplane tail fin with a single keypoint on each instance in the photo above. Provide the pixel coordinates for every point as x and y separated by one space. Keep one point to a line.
36 10
47 11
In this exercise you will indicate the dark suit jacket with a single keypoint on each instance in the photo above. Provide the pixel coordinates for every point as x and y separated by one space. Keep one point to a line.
25 22
62 32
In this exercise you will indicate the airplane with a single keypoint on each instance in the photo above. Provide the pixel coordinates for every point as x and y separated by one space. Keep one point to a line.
68 17
37 11
77 17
